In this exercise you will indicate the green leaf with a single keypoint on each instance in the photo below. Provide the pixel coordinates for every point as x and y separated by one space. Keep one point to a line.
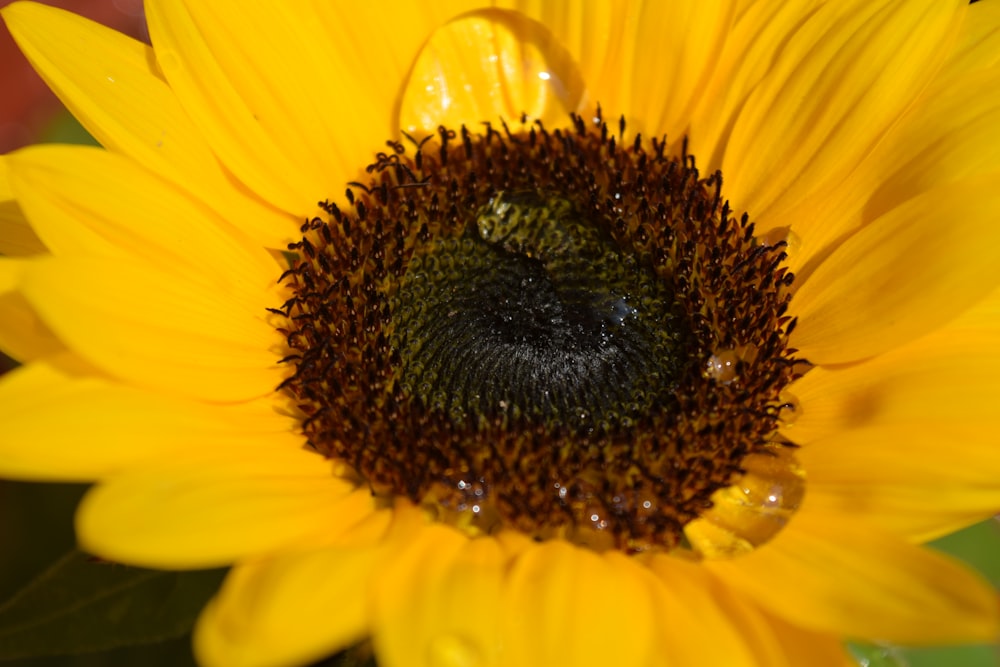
954 656
977 545
65 129
82 605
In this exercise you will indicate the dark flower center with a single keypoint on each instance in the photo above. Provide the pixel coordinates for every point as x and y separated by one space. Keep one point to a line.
535 313
546 331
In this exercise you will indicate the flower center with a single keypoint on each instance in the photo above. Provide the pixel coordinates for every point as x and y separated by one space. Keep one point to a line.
551 332
535 314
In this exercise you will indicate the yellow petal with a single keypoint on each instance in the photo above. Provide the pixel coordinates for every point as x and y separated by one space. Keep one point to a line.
679 41
5 192
697 624
706 622
924 455
111 84
838 574
568 605
86 201
155 329
23 335
907 439
552 58
16 236
917 512
802 647
985 315
948 379
423 597
840 80
591 34
285 81
63 229
375 67
903 275
59 427
263 106
208 514
487 66
978 45
950 135
11 271
749 52
293 609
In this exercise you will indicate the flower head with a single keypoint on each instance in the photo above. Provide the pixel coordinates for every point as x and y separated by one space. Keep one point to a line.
593 334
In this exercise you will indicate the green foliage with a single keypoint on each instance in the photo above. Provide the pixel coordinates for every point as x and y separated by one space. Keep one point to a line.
82 605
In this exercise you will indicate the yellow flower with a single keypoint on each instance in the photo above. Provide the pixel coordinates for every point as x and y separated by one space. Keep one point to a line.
139 280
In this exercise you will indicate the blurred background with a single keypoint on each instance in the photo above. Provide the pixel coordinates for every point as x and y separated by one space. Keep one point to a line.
36 520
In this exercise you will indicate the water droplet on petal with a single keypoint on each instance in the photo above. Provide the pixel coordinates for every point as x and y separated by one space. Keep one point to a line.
774 236
722 366
793 243
789 409
486 65
752 510
877 655
726 364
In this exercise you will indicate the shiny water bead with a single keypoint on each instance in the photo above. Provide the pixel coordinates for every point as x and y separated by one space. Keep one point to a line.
722 366
754 508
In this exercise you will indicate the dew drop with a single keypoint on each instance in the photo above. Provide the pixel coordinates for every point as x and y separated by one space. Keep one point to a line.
754 509
774 236
519 68
793 243
722 366
877 655
789 410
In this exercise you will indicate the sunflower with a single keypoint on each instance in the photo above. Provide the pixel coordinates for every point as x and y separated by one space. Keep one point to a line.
547 333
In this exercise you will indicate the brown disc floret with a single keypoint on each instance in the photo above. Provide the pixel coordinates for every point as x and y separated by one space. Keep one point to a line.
525 329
